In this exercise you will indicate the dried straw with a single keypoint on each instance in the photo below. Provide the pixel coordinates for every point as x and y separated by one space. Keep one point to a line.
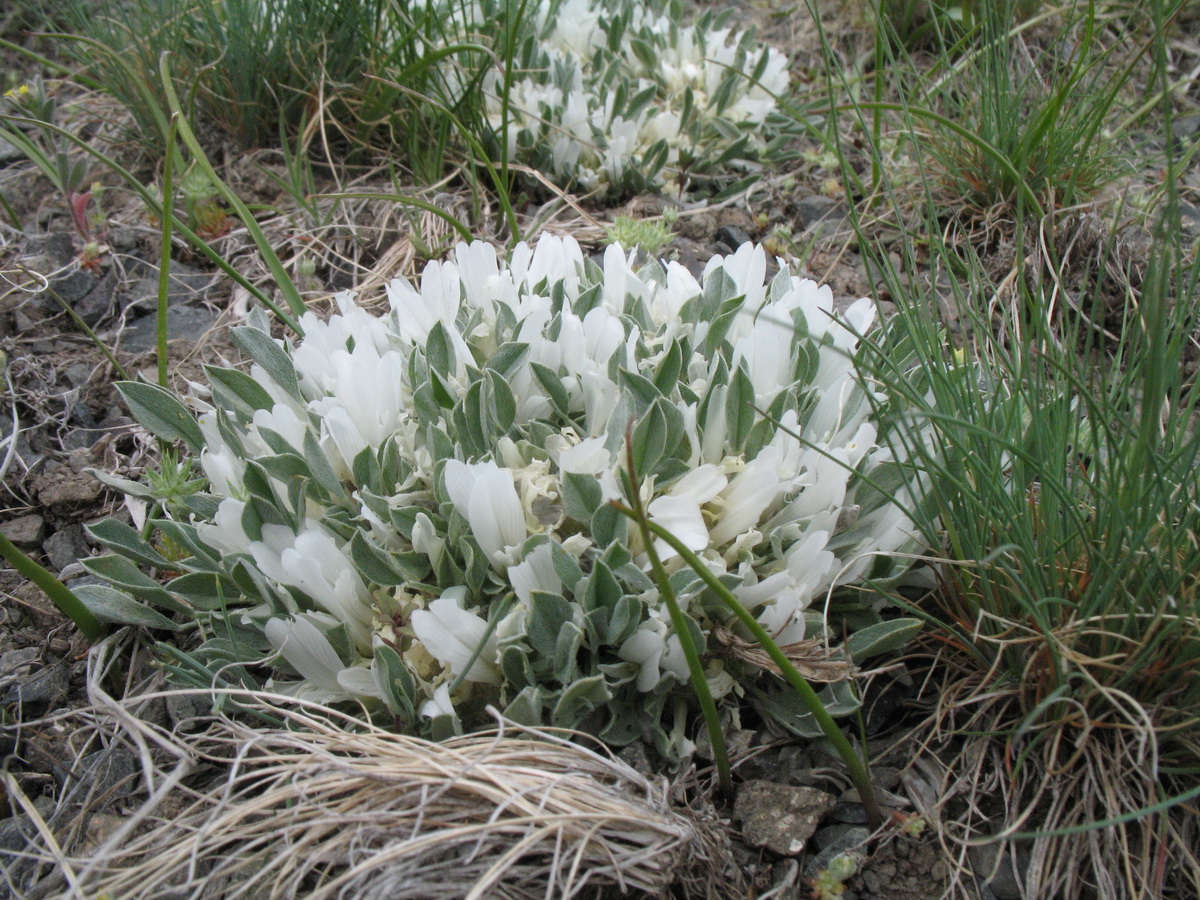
326 806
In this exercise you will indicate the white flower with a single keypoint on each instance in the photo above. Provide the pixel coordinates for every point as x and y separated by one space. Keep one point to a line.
535 573
440 705
308 651
484 494
655 653
452 636
225 534
678 510
313 562
590 457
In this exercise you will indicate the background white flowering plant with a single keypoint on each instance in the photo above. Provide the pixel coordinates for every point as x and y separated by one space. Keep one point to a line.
410 512
621 97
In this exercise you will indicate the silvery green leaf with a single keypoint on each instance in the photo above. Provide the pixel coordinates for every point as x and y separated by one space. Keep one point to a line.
439 444
202 506
514 665
118 608
719 286
444 727
184 535
626 723
726 313
425 405
124 574
552 385
321 471
499 402
439 350
579 699
739 408
262 348
884 637
623 620
666 375
386 567
608 526
399 688
161 413
581 495
124 485
117 536
602 590
206 590
285 467
507 360
548 615
566 652
650 438
365 467
527 707
233 389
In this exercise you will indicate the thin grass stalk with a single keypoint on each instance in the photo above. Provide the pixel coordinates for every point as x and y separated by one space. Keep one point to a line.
424 205
47 63
476 146
287 287
92 336
858 767
164 260
59 594
148 102
153 204
708 706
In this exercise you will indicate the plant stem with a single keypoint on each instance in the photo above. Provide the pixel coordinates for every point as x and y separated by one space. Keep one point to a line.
282 280
59 593
679 623
859 771
164 259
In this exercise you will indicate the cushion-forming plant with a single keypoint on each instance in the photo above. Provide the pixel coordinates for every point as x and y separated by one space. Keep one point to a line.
622 97
409 512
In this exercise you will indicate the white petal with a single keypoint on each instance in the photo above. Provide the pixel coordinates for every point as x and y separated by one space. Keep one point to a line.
306 650
451 634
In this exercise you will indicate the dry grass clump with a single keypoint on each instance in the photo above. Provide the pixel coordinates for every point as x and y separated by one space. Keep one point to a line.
324 807
1075 799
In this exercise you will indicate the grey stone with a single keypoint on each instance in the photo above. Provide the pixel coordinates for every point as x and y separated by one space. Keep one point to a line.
66 546
1002 878
78 374
187 322
731 236
23 321
814 209
74 286
58 248
849 813
841 835
98 303
779 817
122 238
10 152
19 663
112 772
46 687
184 710
185 284
24 531
17 832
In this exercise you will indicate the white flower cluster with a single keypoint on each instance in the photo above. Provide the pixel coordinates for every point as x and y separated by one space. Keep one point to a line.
621 97
411 511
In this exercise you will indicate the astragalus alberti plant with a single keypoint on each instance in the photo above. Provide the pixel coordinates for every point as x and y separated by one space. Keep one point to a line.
410 512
